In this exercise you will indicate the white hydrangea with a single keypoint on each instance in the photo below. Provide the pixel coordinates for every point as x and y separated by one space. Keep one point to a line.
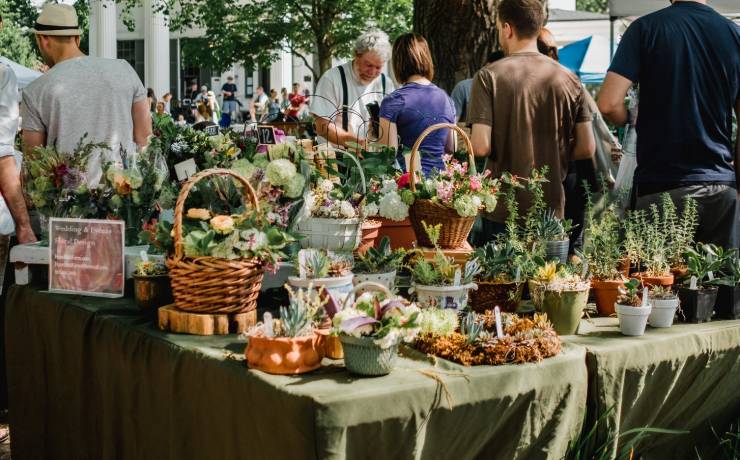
280 172
389 185
371 210
390 339
347 210
326 185
392 207
294 187
490 201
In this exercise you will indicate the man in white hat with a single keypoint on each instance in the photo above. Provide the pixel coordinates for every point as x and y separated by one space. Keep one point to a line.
79 95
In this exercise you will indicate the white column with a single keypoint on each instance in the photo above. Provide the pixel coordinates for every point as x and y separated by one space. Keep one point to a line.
156 50
103 28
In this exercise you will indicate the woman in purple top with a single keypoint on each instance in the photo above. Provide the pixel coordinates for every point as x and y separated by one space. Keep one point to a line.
418 104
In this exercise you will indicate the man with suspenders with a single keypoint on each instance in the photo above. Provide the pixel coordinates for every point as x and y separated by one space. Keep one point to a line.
348 97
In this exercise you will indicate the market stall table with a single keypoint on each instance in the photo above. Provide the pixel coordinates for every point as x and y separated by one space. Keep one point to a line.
92 378
685 378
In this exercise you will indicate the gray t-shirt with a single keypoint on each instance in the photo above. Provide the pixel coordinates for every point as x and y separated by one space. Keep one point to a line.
461 98
84 95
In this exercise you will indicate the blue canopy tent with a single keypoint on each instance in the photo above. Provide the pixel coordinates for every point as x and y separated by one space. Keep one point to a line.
587 58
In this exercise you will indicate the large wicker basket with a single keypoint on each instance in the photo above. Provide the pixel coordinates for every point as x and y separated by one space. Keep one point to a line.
455 229
209 284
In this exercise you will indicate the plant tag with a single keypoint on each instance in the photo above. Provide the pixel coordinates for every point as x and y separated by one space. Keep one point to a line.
144 256
693 283
518 276
185 169
458 277
302 264
499 328
645 297
267 321
711 276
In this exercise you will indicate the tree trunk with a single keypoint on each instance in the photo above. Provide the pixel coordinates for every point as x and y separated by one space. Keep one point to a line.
324 53
461 35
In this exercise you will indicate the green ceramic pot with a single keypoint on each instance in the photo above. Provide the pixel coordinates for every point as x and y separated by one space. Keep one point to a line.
564 309
362 356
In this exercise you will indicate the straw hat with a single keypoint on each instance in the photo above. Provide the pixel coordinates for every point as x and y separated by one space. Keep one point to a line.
57 19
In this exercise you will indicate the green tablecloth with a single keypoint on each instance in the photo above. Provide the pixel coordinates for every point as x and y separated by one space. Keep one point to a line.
685 377
91 378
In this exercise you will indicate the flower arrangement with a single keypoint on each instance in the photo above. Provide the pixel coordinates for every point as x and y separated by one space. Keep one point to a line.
329 200
150 268
456 188
298 319
387 199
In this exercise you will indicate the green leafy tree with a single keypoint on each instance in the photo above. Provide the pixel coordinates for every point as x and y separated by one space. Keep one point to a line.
254 32
595 6
15 44
22 12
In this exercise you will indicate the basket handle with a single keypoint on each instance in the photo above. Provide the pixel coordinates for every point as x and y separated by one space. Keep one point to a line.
248 194
367 285
428 131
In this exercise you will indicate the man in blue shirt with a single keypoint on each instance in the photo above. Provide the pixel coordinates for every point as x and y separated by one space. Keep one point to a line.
686 60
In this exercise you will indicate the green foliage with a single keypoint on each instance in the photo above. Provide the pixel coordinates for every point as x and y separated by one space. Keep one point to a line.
728 443
15 44
471 328
551 228
705 259
382 259
679 231
730 271
594 6
629 294
499 261
602 244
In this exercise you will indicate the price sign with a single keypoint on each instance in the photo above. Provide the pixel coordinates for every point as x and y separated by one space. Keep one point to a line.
86 257
266 135
211 130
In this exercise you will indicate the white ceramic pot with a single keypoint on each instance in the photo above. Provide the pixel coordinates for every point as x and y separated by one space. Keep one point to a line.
386 279
632 320
329 234
339 287
442 296
663 312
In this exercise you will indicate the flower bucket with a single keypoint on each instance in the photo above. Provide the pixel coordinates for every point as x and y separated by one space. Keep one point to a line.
664 310
728 302
329 234
558 250
363 357
401 233
564 309
285 355
489 295
152 292
442 296
370 232
697 304
339 286
386 279
632 320
605 295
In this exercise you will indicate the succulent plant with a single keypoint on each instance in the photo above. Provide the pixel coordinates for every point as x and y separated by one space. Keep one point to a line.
471 328
551 228
628 295
662 292
321 264
498 261
382 259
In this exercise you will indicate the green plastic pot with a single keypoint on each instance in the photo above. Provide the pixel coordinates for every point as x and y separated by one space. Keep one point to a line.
363 357
564 309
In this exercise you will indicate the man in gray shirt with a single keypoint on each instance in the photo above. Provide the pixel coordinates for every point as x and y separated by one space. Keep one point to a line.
79 95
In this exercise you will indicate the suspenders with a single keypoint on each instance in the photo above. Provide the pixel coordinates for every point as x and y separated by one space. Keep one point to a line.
345 96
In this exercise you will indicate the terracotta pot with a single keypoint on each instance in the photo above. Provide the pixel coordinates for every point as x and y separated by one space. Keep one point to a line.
679 272
333 347
370 231
605 295
651 281
490 294
401 233
285 355
624 266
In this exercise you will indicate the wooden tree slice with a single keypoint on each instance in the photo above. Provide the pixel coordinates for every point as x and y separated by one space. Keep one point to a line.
182 322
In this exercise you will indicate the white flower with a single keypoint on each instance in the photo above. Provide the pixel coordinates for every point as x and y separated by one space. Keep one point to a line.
389 185
326 185
371 210
294 187
477 202
347 210
390 339
280 172
344 315
490 201
392 207
367 329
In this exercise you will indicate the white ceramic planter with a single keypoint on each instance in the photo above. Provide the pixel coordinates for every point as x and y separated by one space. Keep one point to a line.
386 279
442 296
339 286
663 312
329 234
632 320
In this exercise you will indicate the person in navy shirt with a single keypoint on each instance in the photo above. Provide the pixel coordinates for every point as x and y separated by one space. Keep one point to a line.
686 60
418 104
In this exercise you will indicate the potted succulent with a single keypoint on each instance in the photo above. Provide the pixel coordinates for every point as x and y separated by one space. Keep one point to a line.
290 345
372 327
440 282
602 249
728 297
563 296
633 311
679 230
554 233
665 304
698 294
379 264
500 280
152 285
318 268
647 247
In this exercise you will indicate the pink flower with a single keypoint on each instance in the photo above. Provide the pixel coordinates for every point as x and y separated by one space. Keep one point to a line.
475 183
445 191
403 181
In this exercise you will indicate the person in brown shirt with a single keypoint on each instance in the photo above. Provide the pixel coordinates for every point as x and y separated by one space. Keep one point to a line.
528 111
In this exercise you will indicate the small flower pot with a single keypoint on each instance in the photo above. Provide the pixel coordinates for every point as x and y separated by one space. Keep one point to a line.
664 310
624 267
652 281
564 309
728 302
363 357
632 320
401 233
387 279
338 286
558 250
442 296
152 292
285 355
370 231
697 304
605 295
489 295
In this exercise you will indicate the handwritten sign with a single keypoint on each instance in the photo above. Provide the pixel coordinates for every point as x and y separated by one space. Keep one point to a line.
86 257
185 169
266 135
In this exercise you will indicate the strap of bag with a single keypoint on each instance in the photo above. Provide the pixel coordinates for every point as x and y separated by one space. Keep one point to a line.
382 82
345 99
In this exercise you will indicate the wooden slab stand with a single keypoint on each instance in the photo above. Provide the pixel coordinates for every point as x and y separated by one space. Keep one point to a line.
173 320
459 255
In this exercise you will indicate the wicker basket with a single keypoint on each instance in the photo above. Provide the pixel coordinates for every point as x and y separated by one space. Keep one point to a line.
209 284
455 229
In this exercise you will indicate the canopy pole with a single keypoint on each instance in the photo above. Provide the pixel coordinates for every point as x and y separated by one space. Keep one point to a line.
612 19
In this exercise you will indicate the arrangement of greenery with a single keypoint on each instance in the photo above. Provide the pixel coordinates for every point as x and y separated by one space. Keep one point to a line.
602 244
559 278
440 271
382 259
705 262
551 228
499 261
679 230
150 268
630 294
730 271
319 263
298 319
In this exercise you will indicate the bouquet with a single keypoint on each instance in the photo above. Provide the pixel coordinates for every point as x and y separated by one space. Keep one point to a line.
334 201
386 199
